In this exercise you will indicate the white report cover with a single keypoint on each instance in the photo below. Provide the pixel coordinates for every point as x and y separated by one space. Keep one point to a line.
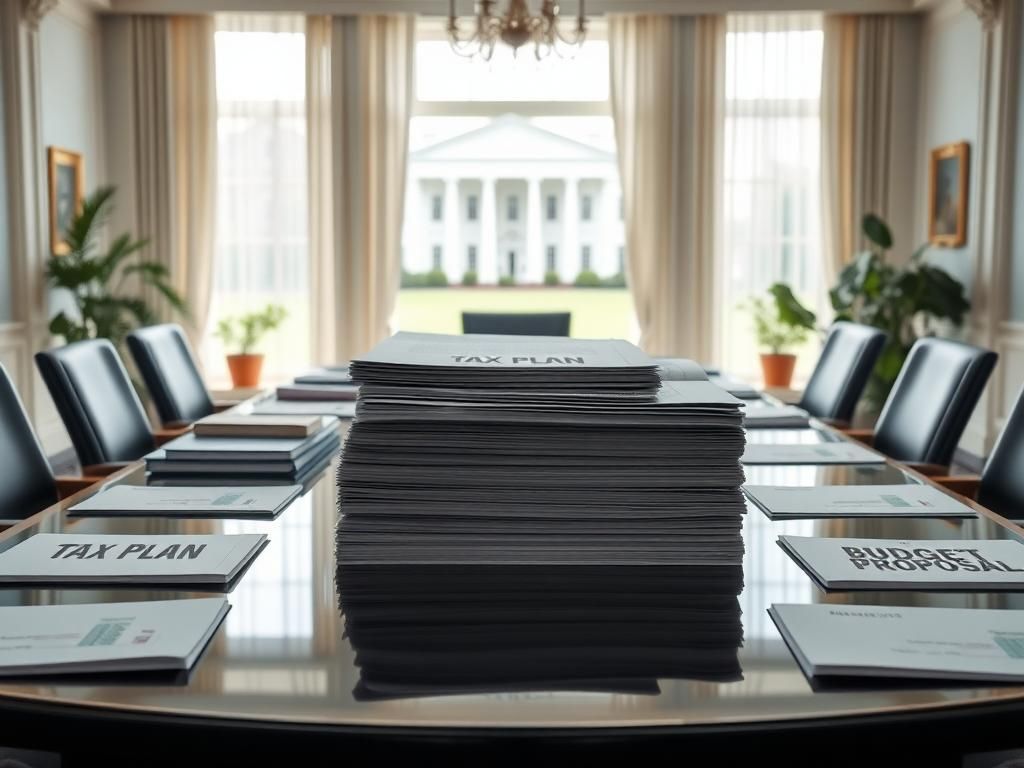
212 501
782 502
107 637
68 558
877 641
818 453
909 564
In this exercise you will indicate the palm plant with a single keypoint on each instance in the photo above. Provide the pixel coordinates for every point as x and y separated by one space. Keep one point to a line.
96 281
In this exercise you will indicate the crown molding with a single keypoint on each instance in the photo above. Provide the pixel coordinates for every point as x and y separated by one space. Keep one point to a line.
987 11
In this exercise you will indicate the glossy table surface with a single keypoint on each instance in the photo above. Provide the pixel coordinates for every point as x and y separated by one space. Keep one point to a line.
283 655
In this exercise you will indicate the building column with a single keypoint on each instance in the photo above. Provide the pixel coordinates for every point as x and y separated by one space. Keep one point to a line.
487 258
570 262
452 261
609 260
534 272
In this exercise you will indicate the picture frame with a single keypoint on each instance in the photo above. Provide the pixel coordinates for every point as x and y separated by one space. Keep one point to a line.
949 173
66 191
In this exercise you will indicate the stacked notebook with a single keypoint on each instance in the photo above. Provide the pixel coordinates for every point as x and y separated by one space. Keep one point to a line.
227 460
437 630
158 635
929 643
537 450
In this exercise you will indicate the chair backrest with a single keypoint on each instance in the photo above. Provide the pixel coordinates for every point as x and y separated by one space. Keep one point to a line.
164 358
27 485
97 402
933 397
1002 481
842 371
517 323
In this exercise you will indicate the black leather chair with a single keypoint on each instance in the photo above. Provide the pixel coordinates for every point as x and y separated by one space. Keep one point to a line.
1001 487
96 401
517 323
842 371
28 484
164 358
929 406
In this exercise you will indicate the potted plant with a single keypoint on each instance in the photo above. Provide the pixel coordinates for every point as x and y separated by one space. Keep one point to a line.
906 301
244 333
777 331
96 282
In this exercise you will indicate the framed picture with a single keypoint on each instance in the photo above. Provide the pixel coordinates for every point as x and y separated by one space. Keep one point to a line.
947 198
67 188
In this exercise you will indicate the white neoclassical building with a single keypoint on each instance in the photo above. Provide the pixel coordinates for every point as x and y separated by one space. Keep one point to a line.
513 199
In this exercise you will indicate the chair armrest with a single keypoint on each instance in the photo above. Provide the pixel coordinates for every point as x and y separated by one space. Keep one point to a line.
866 436
928 470
219 406
965 485
841 424
102 470
69 486
162 436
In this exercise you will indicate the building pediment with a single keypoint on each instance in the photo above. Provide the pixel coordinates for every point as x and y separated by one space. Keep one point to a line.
510 138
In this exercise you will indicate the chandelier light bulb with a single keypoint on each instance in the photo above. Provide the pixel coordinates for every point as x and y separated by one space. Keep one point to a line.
516 27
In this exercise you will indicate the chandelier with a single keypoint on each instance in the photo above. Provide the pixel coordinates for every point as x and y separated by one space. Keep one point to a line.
516 27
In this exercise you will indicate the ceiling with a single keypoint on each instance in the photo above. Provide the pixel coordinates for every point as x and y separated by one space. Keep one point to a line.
465 7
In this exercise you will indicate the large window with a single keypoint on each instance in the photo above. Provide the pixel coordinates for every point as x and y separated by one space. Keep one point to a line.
262 231
532 145
771 175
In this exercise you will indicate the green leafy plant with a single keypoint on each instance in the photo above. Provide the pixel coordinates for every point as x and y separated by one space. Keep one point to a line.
436 278
470 277
96 281
551 277
777 329
246 331
506 280
587 278
905 301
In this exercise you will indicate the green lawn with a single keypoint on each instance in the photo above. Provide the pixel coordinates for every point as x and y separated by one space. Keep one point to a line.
596 312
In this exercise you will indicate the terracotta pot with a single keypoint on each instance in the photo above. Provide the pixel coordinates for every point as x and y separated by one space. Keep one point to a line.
245 370
778 370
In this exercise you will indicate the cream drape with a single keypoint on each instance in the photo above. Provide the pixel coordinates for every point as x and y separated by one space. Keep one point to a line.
667 75
856 131
194 157
359 98
161 132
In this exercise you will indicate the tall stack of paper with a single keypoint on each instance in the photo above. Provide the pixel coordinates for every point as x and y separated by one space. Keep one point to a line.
436 630
262 459
536 450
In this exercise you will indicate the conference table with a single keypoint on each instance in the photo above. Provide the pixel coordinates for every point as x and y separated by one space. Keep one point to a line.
281 675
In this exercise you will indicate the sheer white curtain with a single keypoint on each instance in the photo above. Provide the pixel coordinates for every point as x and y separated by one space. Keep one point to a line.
360 92
262 229
666 76
771 185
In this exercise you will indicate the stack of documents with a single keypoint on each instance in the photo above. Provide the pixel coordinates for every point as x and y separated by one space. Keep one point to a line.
439 630
933 643
159 635
248 425
766 416
290 460
66 558
584 464
212 502
783 502
500 362
878 564
838 452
